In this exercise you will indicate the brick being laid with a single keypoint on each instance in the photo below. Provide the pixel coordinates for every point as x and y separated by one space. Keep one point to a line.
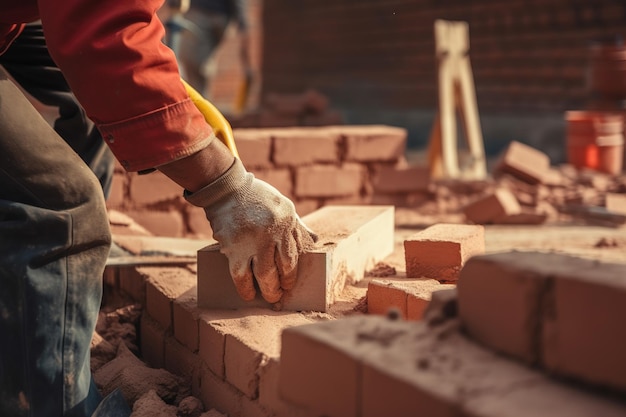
440 251
352 239
367 366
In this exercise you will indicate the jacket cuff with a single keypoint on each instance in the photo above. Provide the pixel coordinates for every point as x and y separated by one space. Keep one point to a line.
234 179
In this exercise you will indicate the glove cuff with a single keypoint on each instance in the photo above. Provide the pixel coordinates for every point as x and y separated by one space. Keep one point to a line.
234 179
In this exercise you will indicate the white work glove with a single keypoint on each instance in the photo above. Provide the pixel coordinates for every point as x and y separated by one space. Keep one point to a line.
258 230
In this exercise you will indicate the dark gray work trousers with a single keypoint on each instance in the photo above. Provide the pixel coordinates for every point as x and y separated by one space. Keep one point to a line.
54 242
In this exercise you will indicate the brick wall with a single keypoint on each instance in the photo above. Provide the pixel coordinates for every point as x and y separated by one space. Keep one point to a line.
313 166
528 55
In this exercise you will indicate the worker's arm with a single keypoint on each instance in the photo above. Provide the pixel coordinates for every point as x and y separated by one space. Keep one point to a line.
128 82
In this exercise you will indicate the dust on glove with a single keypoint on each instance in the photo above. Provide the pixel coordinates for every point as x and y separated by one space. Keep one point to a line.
258 230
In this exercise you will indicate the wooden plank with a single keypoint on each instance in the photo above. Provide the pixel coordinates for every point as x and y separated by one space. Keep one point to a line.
352 240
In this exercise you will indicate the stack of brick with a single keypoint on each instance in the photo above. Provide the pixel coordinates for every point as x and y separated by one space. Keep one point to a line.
313 166
555 311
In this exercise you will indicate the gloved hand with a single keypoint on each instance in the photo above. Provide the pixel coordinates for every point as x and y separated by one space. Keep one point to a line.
258 230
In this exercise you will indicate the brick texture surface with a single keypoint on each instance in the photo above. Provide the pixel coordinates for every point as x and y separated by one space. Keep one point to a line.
329 180
524 162
440 251
501 206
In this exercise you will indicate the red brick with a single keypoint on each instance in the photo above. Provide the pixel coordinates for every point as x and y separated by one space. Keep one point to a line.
394 180
153 188
373 142
254 147
117 194
329 180
152 342
441 250
409 296
524 162
499 300
160 223
278 178
185 318
492 207
197 222
583 324
163 286
302 146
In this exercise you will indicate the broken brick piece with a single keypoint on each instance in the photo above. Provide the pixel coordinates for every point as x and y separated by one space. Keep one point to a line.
524 162
493 207
440 251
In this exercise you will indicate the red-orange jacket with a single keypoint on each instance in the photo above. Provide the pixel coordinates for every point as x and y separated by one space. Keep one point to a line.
126 79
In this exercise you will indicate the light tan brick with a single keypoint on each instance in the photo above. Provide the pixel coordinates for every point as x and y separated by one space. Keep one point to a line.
159 223
117 193
352 239
616 202
440 251
278 178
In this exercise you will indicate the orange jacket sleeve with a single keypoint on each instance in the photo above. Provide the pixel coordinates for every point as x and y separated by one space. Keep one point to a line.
126 79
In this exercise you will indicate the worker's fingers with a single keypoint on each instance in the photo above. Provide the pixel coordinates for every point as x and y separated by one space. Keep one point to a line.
287 260
241 273
267 275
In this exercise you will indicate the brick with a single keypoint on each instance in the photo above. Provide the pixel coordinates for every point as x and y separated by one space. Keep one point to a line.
499 299
218 394
492 207
142 189
117 193
304 146
373 142
163 286
254 147
154 246
583 324
409 296
160 223
234 352
524 162
185 318
269 376
183 362
329 180
197 222
351 240
369 366
441 250
616 202
278 178
132 283
306 206
394 180
152 342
